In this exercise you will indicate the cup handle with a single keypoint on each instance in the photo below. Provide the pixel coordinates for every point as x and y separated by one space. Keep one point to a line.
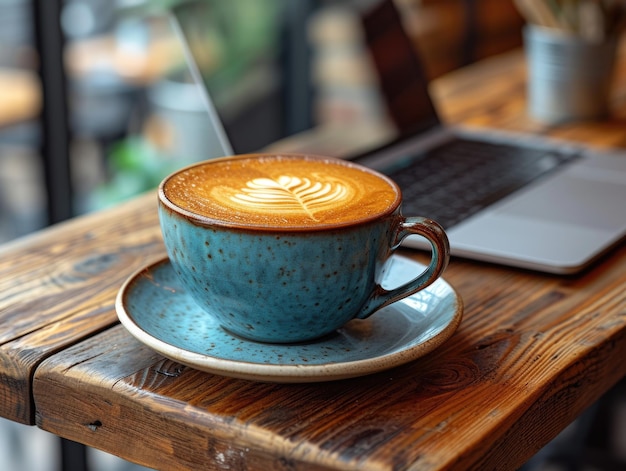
440 256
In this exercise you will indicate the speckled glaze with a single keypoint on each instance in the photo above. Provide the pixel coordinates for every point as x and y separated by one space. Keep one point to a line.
157 309
276 285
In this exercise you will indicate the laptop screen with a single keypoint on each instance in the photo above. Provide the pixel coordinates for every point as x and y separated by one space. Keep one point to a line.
283 75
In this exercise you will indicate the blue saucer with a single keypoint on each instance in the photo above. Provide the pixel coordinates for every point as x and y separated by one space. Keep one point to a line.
156 309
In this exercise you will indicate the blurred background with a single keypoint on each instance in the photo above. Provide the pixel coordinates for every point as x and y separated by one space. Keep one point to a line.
97 106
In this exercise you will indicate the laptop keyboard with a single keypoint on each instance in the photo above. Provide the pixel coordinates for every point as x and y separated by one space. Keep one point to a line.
461 177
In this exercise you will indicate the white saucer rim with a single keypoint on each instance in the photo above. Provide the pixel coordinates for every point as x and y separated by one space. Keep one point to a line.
282 373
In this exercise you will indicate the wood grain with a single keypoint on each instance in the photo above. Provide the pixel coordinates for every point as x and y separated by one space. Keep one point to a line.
491 94
57 287
532 352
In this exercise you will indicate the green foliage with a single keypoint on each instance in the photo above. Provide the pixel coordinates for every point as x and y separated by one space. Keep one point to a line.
135 166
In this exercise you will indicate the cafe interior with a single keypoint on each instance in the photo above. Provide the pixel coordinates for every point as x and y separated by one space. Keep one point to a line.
97 105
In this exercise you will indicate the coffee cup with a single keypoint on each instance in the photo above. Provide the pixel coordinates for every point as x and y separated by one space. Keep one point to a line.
284 248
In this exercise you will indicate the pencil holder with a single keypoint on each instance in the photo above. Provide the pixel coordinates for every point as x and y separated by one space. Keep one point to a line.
569 77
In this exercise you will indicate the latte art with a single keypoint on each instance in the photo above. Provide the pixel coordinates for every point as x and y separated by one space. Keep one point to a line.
281 191
289 194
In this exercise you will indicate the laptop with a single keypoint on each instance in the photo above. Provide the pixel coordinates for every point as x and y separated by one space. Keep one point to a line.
532 203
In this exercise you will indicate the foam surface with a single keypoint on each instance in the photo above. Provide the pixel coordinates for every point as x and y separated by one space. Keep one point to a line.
281 191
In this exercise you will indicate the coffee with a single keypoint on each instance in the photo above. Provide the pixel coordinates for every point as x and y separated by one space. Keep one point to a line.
288 248
282 191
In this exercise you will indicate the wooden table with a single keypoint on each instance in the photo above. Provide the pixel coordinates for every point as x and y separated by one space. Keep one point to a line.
533 350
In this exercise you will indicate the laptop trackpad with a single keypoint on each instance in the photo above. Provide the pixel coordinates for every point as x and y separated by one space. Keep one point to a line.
573 200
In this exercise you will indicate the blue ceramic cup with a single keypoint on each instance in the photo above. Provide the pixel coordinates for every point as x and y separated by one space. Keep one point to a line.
288 248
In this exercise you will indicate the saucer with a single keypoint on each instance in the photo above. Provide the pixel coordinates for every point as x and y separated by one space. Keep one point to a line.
155 308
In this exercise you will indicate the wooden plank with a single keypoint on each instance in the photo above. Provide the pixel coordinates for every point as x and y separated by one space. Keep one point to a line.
543 346
57 287
498 101
530 347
